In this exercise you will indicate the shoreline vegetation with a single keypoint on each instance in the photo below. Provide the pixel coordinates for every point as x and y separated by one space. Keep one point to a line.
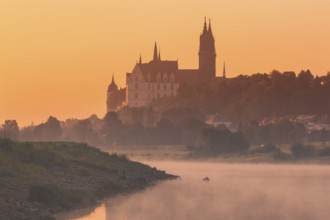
311 153
41 179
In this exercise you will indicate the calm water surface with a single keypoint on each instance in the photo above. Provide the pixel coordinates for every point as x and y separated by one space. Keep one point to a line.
234 192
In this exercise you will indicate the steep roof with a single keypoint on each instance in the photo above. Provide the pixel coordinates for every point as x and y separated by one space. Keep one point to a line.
153 68
188 76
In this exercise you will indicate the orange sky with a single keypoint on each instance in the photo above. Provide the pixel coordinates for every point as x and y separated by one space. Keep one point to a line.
57 56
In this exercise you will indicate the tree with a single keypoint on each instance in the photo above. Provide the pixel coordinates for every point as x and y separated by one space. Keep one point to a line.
302 151
10 129
83 131
51 130
191 129
215 142
323 136
112 129
166 132
306 76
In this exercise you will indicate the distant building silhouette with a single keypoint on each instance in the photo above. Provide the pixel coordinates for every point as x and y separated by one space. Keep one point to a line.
115 96
207 54
161 78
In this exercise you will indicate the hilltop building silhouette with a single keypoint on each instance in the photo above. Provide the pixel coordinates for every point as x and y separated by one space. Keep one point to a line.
160 78
115 96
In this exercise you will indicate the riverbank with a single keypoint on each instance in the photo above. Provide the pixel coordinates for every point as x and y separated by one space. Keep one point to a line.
255 155
38 180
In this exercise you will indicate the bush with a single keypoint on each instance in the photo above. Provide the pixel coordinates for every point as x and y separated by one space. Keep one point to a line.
6 145
325 152
302 151
214 142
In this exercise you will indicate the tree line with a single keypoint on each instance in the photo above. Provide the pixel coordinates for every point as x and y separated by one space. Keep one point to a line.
246 98
115 130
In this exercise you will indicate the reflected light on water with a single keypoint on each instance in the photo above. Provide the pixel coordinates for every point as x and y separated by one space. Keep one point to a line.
234 192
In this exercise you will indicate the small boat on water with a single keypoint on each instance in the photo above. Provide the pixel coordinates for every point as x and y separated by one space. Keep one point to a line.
206 179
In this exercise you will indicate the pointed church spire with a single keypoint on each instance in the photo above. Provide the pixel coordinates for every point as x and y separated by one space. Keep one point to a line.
205 26
210 28
224 70
140 61
159 58
113 79
155 53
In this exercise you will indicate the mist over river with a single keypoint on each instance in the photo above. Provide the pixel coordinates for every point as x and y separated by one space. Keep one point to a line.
234 192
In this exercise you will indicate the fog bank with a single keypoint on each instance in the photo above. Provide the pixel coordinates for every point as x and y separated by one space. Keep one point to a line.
234 192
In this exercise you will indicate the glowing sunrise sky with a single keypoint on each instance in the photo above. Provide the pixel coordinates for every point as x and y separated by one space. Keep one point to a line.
57 56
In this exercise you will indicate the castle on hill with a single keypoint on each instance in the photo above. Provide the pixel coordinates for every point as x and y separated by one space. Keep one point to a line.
160 78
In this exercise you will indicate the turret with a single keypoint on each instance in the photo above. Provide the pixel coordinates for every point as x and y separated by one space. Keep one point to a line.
113 87
112 101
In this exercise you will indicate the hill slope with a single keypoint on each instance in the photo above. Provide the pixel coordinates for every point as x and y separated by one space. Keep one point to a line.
38 180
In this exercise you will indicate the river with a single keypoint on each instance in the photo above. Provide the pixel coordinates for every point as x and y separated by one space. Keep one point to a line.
234 192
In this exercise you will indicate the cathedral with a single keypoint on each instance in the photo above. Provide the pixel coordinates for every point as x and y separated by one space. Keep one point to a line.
161 78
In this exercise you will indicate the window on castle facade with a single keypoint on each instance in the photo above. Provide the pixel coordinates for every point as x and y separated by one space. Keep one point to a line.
172 87
158 77
136 95
165 87
172 77
165 78
158 86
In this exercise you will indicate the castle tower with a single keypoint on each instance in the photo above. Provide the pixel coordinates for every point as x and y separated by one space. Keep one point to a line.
207 54
111 101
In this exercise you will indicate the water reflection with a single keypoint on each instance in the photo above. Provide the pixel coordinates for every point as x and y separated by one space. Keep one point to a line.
234 192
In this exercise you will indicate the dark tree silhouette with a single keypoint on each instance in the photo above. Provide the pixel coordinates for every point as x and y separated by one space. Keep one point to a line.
112 129
51 130
10 129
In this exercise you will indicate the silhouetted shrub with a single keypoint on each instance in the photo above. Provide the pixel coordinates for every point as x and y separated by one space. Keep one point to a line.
6 145
325 152
215 142
301 151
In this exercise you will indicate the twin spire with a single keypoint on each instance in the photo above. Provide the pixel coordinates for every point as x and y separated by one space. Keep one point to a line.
207 30
157 57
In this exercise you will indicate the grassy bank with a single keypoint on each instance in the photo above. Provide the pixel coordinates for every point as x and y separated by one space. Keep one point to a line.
38 180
